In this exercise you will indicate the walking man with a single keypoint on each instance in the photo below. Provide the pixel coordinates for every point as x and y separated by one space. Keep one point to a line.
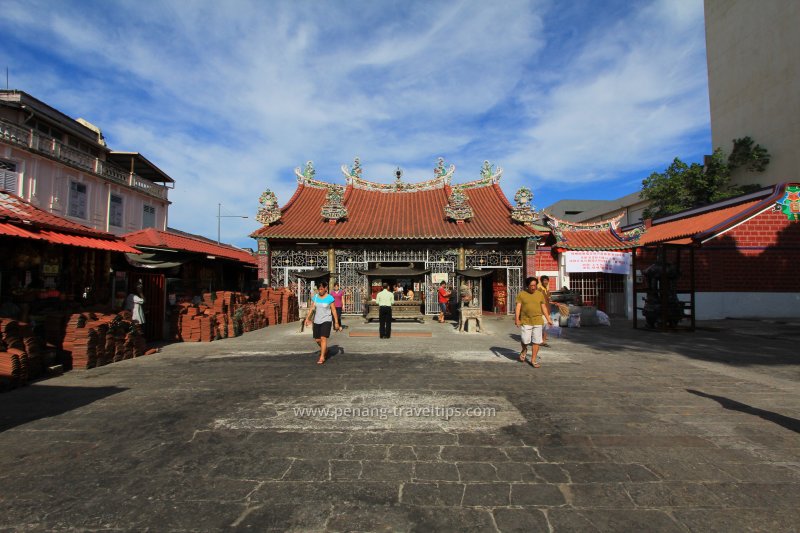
385 299
530 315
325 316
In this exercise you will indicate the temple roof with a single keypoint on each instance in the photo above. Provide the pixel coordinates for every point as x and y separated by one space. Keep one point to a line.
694 226
702 224
397 211
604 235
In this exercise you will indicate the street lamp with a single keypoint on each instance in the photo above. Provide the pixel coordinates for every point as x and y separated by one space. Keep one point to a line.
220 216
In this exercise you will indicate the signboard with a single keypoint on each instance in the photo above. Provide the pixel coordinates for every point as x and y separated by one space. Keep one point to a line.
438 277
598 261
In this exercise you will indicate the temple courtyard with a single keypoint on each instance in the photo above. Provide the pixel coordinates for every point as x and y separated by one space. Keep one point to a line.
619 430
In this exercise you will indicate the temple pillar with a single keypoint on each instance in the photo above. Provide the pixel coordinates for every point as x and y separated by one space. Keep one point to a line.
530 256
332 265
462 257
263 256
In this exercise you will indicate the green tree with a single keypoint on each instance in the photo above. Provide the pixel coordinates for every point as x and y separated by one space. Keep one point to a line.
683 186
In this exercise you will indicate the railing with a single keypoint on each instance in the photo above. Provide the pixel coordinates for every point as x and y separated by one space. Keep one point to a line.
113 173
35 141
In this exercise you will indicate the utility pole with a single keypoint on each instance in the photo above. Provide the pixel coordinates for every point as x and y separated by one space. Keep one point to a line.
220 216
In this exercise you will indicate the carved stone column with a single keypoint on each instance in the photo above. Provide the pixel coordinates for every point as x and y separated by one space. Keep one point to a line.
263 255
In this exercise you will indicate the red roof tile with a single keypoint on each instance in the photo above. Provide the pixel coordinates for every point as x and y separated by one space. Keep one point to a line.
153 238
692 226
588 239
603 235
396 215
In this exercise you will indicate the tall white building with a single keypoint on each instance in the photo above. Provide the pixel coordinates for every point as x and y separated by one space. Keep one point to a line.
753 51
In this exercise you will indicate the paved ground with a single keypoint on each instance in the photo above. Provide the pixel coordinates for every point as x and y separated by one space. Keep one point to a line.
620 430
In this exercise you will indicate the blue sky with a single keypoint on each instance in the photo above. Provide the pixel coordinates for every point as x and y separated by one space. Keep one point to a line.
578 99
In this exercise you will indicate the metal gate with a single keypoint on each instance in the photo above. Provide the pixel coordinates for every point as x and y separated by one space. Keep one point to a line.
431 288
354 285
288 278
513 286
605 291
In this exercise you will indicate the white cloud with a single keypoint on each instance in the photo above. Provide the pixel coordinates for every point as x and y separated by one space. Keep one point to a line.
228 101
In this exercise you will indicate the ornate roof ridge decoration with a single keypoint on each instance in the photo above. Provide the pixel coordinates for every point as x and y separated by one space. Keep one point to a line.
269 212
334 210
611 225
524 212
441 178
457 207
789 203
489 176
306 177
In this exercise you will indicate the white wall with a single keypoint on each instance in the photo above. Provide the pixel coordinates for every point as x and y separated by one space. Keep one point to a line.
754 81
717 305
45 184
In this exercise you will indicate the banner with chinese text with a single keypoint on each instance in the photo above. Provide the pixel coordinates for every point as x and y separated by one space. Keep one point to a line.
598 261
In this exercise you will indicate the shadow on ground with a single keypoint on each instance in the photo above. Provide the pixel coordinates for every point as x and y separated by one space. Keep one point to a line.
508 353
44 401
789 423
725 342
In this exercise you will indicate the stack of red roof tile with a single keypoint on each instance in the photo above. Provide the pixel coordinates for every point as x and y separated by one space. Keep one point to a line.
21 353
286 302
10 371
225 314
96 339
194 325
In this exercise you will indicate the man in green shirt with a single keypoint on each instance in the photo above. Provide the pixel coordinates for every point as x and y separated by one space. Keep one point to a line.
385 299
530 315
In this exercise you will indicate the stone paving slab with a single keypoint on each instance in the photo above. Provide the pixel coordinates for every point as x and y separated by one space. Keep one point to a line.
619 430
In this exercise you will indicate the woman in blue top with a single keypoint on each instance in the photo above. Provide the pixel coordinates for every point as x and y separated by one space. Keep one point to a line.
324 315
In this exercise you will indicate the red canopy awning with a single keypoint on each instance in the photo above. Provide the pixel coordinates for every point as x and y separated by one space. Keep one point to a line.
87 242
15 231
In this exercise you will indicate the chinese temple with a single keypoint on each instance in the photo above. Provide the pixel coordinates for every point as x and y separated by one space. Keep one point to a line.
412 234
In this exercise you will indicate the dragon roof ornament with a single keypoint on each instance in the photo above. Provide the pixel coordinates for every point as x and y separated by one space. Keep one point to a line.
489 176
306 176
441 178
611 225
458 207
269 212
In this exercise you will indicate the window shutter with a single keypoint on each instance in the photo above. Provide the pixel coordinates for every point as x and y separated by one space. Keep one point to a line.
8 181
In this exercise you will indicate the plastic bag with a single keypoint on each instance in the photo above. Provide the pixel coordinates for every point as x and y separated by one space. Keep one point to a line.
554 330
574 321
603 319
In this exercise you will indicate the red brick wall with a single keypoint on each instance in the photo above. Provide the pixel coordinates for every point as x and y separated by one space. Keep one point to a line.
530 265
760 255
544 260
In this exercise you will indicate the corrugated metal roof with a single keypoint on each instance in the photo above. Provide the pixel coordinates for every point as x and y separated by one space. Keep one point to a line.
27 221
83 241
15 209
396 216
153 238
